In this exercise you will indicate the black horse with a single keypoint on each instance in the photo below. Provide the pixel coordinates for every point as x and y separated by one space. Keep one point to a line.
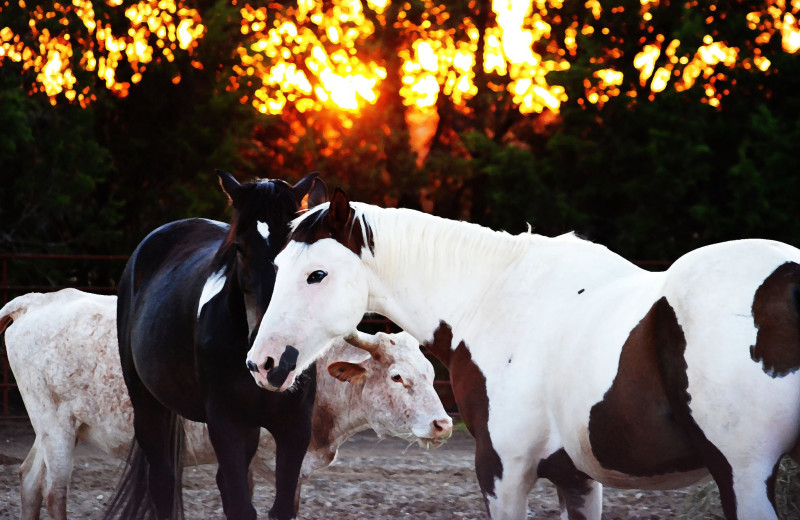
190 298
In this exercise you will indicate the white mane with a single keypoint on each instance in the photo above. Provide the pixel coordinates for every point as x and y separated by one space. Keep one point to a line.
410 238
407 237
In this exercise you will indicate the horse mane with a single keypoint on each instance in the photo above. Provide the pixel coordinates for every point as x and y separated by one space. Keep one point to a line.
459 245
446 245
256 199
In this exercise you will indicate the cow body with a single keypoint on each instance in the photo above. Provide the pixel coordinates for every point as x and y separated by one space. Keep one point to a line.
82 396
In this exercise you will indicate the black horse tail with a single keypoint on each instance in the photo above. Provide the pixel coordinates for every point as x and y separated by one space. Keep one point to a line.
132 499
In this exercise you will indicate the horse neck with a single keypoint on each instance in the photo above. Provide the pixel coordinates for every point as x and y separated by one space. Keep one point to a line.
427 270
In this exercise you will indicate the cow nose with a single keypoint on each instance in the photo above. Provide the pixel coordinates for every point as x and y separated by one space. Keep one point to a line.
442 428
252 367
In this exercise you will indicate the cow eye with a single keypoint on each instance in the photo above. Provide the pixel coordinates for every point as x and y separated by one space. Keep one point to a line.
316 277
397 379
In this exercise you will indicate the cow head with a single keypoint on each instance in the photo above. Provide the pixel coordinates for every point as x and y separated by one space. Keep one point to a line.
397 394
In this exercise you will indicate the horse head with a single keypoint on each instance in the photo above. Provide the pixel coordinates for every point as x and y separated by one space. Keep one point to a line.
321 291
262 211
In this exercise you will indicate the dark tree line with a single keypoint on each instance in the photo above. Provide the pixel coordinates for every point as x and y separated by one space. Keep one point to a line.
650 178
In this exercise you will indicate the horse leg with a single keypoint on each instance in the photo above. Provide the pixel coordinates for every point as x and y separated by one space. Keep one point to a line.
290 448
584 503
579 496
751 494
235 447
504 483
31 474
154 426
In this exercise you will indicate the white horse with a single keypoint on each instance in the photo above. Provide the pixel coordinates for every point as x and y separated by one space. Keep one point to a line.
567 361
62 348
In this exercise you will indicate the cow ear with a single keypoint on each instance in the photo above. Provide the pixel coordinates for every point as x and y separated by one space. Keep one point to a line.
348 372
230 185
340 210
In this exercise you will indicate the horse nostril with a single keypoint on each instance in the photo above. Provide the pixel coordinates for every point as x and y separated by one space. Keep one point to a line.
269 364
252 367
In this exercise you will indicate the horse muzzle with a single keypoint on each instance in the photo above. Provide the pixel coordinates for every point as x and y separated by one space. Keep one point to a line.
276 375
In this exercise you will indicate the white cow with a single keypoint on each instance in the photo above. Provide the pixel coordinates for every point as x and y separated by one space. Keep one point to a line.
62 348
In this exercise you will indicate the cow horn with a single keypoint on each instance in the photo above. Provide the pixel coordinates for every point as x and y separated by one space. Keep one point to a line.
363 341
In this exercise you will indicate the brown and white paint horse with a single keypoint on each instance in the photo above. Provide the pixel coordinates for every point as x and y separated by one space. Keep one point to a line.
82 396
567 361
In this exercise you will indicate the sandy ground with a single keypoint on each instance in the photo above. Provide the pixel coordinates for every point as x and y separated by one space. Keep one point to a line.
371 479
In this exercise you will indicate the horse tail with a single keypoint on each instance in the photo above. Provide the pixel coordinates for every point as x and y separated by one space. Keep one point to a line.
132 499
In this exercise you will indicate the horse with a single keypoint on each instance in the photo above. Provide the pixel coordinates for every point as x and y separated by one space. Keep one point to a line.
190 298
568 362
385 384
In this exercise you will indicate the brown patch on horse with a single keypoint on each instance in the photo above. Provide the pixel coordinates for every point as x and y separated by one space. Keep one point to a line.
469 390
775 312
339 222
633 429
442 341
573 485
672 362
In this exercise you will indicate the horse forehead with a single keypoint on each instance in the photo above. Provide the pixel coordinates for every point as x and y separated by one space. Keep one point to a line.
298 255
316 227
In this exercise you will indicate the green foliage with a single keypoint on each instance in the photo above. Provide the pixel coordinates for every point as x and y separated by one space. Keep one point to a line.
55 175
652 179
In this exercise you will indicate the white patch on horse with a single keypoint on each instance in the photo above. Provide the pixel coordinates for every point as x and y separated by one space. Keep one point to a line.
213 286
263 229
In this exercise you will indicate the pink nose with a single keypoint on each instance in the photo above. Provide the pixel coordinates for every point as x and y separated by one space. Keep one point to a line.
442 428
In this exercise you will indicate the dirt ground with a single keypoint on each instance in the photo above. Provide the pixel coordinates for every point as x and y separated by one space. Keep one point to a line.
371 479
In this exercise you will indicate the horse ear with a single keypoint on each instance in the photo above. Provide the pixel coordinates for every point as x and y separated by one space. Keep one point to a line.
317 194
304 185
348 372
229 185
340 210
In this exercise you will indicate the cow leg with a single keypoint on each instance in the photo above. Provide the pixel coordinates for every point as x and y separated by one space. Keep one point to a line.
31 473
235 445
58 460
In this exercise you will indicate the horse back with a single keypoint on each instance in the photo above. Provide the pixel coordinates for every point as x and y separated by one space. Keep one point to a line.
724 330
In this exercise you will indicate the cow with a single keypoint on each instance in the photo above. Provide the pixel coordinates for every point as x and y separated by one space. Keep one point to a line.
62 348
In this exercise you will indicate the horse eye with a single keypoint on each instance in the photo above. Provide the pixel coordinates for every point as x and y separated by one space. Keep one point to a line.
397 379
316 277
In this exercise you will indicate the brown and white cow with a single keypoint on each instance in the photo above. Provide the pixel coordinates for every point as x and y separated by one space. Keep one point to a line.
62 348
